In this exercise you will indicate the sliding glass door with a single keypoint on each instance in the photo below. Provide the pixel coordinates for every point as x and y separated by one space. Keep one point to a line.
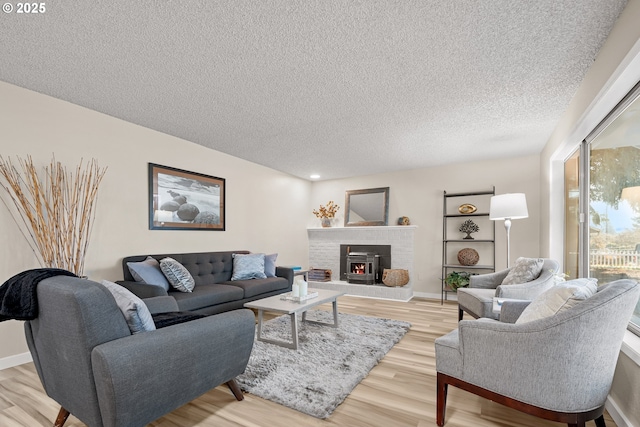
602 200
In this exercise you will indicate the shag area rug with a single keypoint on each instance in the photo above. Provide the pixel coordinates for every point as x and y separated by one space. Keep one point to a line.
327 365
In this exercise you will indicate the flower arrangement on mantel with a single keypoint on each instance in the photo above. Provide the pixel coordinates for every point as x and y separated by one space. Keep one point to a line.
57 208
325 213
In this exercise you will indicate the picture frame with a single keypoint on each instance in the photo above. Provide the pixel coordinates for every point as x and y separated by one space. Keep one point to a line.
184 200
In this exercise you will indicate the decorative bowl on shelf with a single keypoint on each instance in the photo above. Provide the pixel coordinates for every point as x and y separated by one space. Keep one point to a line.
467 208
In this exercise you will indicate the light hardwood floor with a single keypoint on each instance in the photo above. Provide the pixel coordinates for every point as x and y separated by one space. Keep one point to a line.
399 391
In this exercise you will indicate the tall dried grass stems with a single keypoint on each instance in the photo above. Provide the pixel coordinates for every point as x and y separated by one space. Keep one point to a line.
57 209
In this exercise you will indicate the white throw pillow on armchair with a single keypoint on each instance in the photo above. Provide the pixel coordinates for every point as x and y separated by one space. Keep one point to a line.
525 270
559 298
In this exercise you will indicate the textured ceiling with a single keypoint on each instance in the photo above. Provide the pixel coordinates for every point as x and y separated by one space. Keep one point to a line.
337 88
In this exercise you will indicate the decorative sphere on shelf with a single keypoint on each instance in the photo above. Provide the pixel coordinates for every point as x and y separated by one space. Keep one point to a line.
468 256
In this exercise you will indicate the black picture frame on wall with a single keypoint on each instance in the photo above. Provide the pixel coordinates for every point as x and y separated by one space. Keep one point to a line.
184 200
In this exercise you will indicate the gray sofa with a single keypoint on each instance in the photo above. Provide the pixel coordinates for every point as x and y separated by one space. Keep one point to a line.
91 364
214 291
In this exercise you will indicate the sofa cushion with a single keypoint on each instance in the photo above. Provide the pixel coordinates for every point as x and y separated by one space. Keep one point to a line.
255 287
270 265
525 270
133 309
148 272
178 275
559 298
249 266
207 295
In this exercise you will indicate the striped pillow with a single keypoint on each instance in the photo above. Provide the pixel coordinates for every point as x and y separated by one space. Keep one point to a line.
178 276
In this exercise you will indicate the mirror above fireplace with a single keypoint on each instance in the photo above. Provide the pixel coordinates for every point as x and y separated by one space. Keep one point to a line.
367 207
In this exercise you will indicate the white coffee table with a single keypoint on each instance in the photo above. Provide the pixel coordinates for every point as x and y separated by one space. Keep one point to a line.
277 305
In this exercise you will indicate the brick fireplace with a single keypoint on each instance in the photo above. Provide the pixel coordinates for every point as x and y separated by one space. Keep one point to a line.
327 244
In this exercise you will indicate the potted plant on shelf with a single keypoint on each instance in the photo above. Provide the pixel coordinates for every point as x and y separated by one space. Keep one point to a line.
457 279
326 213
56 208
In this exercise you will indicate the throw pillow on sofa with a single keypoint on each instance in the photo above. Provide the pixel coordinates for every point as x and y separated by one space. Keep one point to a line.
148 272
249 266
135 311
559 298
178 276
525 270
270 265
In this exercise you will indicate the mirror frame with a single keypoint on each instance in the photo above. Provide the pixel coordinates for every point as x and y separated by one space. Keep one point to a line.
385 207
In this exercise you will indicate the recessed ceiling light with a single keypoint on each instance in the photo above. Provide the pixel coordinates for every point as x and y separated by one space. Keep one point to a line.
314 176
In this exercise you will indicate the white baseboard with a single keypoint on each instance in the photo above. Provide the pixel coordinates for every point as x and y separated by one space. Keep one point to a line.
616 414
18 359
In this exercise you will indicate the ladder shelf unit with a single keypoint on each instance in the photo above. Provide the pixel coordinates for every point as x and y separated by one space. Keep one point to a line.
453 242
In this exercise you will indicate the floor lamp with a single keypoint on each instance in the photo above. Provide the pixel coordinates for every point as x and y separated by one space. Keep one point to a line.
508 206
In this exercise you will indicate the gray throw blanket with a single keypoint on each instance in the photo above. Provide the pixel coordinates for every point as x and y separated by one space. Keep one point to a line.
18 299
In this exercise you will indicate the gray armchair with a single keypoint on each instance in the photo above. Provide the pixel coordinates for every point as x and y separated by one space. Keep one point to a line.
477 299
558 368
90 363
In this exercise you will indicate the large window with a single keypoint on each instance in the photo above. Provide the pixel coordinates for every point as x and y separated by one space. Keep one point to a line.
602 201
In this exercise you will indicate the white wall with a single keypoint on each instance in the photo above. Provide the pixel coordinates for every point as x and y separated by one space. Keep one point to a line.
266 210
418 195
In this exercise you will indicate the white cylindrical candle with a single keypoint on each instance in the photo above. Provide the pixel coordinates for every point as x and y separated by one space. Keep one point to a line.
295 290
303 288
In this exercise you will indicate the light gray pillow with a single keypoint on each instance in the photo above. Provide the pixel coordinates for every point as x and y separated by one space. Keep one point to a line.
270 265
525 270
559 298
135 311
249 266
178 276
148 272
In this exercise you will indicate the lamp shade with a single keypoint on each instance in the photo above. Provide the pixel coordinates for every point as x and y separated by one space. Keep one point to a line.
508 206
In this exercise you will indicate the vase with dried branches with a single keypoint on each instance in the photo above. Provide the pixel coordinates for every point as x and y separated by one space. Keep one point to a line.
56 208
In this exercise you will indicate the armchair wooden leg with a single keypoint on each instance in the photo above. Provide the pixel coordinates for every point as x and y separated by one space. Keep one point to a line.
441 400
460 314
235 389
62 417
600 421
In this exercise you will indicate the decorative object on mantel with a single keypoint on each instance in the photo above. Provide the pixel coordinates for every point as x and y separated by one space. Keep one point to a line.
404 220
468 256
325 213
57 208
457 279
469 227
319 275
395 277
467 208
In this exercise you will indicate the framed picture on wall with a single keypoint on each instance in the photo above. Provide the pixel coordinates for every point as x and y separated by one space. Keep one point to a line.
183 200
